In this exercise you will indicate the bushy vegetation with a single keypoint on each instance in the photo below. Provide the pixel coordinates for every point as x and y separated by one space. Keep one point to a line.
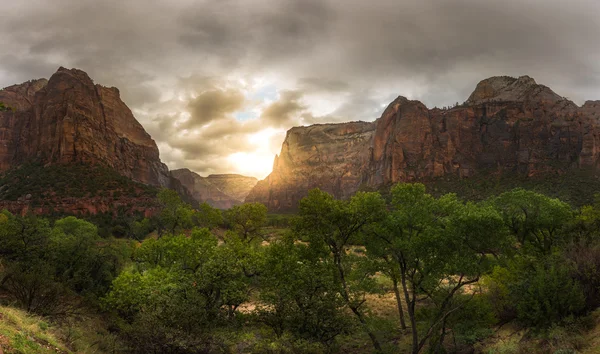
4 108
39 183
205 281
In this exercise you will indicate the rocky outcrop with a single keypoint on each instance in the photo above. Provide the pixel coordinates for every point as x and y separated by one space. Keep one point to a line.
69 119
327 156
220 191
507 125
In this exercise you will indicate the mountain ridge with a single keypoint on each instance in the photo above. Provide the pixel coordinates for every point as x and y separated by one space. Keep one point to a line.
507 125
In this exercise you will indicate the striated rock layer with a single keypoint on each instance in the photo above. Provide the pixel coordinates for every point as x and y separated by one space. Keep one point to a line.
70 119
507 125
220 191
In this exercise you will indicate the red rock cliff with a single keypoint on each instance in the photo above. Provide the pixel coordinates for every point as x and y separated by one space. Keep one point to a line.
506 125
327 156
70 119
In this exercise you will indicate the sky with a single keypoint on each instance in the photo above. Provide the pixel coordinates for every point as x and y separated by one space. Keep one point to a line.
218 83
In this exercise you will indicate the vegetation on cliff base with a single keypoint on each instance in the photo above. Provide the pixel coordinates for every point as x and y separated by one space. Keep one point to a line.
43 184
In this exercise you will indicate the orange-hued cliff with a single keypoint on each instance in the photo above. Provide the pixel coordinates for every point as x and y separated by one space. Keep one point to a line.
69 119
507 125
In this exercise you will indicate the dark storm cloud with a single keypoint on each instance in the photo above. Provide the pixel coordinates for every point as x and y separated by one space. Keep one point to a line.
169 58
212 105
285 110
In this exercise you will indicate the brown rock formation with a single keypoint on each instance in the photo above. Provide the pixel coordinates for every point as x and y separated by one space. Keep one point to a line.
70 119
220 191
506 125
327 156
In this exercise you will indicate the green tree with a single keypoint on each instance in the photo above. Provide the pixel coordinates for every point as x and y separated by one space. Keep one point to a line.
207 216
175 215
440 246
180 290
43 267
331 226
247 220
299 294
535 220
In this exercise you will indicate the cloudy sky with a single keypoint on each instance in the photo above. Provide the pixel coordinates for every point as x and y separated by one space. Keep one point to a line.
217 83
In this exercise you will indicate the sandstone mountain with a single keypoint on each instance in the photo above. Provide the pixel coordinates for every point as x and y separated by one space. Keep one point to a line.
220 191
508 126
69 120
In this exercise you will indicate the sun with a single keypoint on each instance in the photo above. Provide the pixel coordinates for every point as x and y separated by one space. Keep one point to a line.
252 163
258 162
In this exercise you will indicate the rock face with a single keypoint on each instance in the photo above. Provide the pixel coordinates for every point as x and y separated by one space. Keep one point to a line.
327 156
69 119
220 191
507 125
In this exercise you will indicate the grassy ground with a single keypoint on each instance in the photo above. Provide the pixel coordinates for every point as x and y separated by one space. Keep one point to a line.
22 333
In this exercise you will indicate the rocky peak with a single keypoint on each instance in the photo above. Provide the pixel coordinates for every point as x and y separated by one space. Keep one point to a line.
69 119
510 89
20 97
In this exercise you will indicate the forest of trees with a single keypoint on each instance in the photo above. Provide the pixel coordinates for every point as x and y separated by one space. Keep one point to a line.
205 281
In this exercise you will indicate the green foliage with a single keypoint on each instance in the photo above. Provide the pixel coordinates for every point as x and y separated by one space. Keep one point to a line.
299 293
572 187
535 220
181 289
457 269
175 215
59 181
207 216
331 226
540 293
44 266
548 296
439 246
247 220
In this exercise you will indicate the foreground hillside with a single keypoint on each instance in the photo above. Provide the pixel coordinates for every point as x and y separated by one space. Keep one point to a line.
26 334
508 128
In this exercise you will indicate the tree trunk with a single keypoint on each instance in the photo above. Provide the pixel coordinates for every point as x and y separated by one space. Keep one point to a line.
346 296
410 304
399 301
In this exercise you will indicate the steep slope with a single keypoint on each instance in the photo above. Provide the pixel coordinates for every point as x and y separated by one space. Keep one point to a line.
327 156
69 121
508 126
220 191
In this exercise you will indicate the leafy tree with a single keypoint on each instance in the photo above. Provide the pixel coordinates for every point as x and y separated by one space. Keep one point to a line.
207 216
140 228
440 246
180 290
175 215
331 226
535 220
299 293
247 220
44 267
540 293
